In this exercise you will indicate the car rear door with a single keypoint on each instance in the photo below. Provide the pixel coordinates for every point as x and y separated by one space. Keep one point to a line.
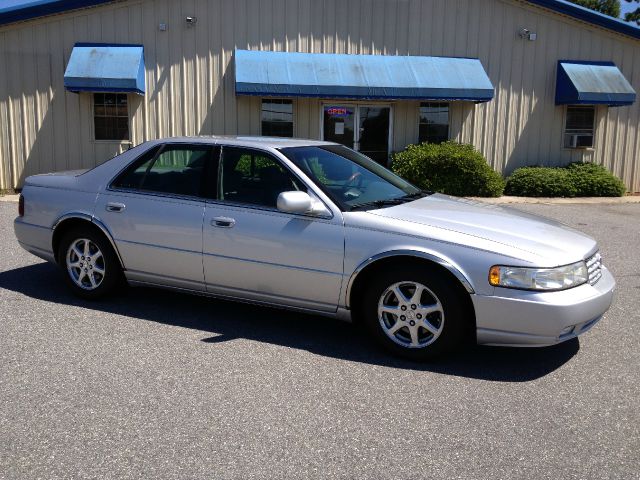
253 251
154 210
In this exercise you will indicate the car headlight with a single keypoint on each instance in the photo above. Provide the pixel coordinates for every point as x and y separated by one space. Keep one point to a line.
544 279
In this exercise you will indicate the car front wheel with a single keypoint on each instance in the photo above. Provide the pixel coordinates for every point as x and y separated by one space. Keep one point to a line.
415 312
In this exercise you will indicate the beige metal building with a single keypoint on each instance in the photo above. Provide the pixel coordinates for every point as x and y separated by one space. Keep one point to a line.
546 105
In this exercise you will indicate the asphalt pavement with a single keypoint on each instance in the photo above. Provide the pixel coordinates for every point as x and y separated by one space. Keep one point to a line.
164 385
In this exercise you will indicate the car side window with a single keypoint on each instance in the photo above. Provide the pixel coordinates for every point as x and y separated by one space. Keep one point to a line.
175 169
253 177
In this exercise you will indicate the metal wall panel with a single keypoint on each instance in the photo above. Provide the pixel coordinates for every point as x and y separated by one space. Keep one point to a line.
190 81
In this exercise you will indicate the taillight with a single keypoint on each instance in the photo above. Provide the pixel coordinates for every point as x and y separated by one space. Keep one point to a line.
21 206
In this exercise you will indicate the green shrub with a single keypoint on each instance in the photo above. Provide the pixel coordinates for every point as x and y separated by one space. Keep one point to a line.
575 180
451 168
541 182
593 180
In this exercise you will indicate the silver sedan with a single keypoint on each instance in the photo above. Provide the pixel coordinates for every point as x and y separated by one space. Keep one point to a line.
316 227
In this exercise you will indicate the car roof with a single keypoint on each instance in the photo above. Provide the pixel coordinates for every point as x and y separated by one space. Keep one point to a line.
245 141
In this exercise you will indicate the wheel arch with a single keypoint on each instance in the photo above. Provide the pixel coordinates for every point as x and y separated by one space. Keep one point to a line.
79 219
374 264
375 261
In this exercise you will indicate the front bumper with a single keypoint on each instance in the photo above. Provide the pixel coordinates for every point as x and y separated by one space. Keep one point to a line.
537 319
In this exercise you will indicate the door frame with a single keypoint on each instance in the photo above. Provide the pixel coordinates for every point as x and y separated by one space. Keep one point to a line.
356 122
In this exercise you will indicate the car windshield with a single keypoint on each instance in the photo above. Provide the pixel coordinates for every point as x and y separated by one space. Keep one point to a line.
352 180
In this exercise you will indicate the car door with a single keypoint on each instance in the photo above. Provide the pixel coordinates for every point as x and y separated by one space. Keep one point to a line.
154 210
254 251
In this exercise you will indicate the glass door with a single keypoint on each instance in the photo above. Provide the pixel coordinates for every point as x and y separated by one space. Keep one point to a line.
365 128
339 121
373 140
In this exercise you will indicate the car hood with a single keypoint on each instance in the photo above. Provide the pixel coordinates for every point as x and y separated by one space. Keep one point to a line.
529 233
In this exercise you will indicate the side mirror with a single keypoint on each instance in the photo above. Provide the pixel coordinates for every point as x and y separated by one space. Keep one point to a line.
300 203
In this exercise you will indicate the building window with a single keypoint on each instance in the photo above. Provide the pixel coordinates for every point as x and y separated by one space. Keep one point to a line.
434 123
111 116
579 127
277 118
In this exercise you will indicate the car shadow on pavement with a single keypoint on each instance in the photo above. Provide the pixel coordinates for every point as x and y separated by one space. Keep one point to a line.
222 321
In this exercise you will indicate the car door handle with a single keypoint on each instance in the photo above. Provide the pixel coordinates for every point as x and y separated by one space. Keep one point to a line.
115 207
223 222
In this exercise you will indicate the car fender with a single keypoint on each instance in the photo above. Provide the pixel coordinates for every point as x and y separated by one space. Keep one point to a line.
95 221
425 254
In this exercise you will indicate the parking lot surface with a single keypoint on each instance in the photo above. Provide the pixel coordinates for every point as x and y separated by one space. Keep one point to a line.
154 384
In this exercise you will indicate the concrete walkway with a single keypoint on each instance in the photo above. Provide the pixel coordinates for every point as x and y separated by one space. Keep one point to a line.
503 200
559 201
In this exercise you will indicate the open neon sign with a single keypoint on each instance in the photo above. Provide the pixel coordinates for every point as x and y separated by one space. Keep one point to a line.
338 111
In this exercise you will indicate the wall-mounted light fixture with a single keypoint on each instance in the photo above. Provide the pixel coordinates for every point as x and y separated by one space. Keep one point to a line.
191 21
526 34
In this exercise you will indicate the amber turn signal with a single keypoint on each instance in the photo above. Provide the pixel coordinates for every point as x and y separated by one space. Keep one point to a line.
494 276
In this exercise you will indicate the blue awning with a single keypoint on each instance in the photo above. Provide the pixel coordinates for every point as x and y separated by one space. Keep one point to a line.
388 77
592 83
99 67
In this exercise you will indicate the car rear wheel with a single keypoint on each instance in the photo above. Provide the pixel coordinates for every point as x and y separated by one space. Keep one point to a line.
416 313
91 267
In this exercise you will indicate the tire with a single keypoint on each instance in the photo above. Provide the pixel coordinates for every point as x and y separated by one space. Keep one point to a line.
91 276
415 328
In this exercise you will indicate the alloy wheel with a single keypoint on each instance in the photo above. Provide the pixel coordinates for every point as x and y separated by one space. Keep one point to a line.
85 264
410 314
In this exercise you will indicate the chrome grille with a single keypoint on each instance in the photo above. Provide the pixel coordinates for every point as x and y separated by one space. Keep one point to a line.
594 266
